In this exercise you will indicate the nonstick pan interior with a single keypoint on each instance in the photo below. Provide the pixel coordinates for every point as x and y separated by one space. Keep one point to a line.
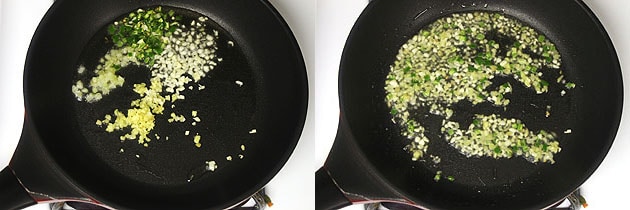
272 101
592 111
228 113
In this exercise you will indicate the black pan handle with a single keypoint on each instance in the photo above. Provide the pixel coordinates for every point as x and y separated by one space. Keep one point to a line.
327 194
12 194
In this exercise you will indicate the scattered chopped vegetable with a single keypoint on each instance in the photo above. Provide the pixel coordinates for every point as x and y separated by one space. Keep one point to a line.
176 55
435 159
456 59
438 176
211 165
197 140
502 138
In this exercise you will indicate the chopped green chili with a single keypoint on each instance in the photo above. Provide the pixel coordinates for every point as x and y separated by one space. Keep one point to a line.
144 31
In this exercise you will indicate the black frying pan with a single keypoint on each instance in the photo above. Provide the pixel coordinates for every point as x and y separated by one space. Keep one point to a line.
62 155
367 162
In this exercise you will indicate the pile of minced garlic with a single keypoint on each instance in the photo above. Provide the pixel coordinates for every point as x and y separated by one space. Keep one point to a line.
177 56
452 60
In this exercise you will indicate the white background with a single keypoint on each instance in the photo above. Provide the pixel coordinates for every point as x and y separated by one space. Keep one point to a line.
293 186
604 190
321 27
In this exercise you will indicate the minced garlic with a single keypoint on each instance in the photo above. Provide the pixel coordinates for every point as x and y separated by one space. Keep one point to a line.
211 165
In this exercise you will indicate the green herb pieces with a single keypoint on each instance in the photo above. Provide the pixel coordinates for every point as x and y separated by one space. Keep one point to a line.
438 176
145 31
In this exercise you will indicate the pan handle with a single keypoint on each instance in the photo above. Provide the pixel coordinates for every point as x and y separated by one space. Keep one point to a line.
12 194
327 194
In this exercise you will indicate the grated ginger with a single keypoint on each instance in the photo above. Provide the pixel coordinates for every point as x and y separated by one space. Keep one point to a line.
141 117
